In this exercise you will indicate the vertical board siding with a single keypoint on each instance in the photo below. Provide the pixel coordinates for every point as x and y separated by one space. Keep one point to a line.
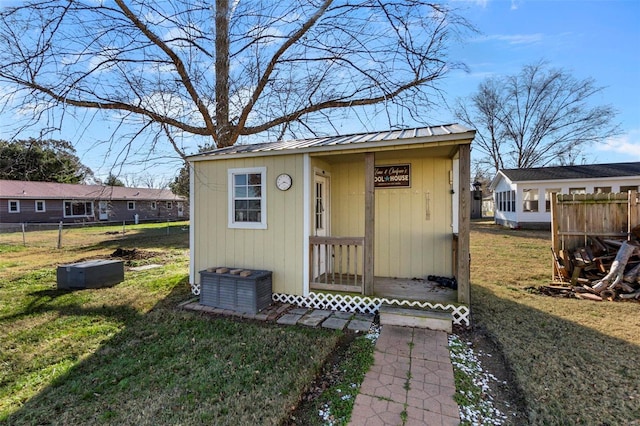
578 217
407 244
277 248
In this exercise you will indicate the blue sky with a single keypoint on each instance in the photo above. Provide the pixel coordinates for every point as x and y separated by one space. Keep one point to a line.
598 39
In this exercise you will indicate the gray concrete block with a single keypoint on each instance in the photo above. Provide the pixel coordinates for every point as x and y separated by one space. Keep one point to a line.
358 325
289 319
335 323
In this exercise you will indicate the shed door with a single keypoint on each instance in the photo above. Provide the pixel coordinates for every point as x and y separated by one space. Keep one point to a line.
321 218
321 206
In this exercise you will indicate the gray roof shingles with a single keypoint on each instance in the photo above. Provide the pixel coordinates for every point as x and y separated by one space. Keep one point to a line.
16 189
587 171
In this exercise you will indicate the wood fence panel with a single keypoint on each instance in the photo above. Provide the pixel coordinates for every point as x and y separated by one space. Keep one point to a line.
577 218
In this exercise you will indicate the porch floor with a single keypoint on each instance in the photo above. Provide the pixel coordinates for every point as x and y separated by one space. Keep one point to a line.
413 289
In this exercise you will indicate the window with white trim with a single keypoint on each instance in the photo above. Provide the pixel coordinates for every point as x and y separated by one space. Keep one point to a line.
78 208
247 198
169 205
549 193
131 205
40 206
153 205
530 200
14 206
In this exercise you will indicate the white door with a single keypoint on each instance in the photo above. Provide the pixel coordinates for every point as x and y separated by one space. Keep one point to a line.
103 210
180 209
321 219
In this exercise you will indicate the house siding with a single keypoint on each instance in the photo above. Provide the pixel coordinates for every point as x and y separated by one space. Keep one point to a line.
542 218
408 242
279 248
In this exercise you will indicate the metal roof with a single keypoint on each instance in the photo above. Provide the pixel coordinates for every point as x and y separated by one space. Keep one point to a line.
586 171
353 141
16 189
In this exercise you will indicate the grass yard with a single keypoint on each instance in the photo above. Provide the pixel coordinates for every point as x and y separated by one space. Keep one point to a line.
125 355
576 361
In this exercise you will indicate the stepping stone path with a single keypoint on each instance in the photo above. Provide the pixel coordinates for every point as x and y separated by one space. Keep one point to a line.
287 314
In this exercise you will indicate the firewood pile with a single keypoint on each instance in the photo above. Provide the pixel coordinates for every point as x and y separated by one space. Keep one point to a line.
605 270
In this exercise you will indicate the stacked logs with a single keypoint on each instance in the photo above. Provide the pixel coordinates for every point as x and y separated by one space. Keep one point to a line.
621 281
597 277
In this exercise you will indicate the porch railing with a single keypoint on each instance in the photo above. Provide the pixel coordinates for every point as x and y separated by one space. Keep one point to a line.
337 263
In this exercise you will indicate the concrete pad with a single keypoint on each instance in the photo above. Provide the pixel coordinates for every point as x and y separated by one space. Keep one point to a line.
322 313
418 318
342 315
364 317
311 321
298 311
357 325
289 319
335 323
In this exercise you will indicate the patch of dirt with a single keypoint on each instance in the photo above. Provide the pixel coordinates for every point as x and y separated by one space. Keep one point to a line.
133 254
507 395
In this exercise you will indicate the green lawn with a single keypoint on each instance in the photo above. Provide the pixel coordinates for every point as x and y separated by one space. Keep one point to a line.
576 361
126 355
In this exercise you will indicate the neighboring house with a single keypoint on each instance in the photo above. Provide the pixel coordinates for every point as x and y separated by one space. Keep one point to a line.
522 197
50 202
386 204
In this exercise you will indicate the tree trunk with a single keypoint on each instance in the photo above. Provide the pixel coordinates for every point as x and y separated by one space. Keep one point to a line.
223 127
616 273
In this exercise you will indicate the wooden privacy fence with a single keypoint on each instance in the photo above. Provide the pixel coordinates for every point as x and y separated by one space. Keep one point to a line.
576 219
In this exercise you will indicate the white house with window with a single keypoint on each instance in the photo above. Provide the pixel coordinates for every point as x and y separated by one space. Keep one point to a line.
522 197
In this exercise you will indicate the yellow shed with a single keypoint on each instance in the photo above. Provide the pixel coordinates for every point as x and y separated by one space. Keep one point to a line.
348 220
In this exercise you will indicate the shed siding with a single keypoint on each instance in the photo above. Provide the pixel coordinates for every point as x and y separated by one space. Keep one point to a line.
278 248
407 243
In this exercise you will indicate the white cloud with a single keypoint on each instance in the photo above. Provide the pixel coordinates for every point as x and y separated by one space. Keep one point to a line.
514 39
627 144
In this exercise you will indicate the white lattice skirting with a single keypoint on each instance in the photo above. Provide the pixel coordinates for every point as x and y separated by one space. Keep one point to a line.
361 304
367 305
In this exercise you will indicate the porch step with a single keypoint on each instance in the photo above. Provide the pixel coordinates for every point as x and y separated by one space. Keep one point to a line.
419 318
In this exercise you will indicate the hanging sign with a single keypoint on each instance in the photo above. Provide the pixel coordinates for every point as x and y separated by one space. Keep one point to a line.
393 176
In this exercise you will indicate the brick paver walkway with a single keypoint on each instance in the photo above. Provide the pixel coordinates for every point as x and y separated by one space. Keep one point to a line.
410 383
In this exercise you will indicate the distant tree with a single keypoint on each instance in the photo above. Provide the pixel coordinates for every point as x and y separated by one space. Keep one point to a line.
180 184
224 69
113 180
42 161
539 117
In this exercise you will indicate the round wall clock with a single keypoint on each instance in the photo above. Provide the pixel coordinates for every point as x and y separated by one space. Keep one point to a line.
283 182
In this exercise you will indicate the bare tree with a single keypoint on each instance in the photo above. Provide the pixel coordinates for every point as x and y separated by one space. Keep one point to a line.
225 71
538 117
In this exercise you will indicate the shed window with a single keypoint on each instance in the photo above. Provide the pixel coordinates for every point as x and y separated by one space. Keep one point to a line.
78 208
14 206
169 205
153 205
575 191
602 189
247 198
131 205
40 206
624 188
